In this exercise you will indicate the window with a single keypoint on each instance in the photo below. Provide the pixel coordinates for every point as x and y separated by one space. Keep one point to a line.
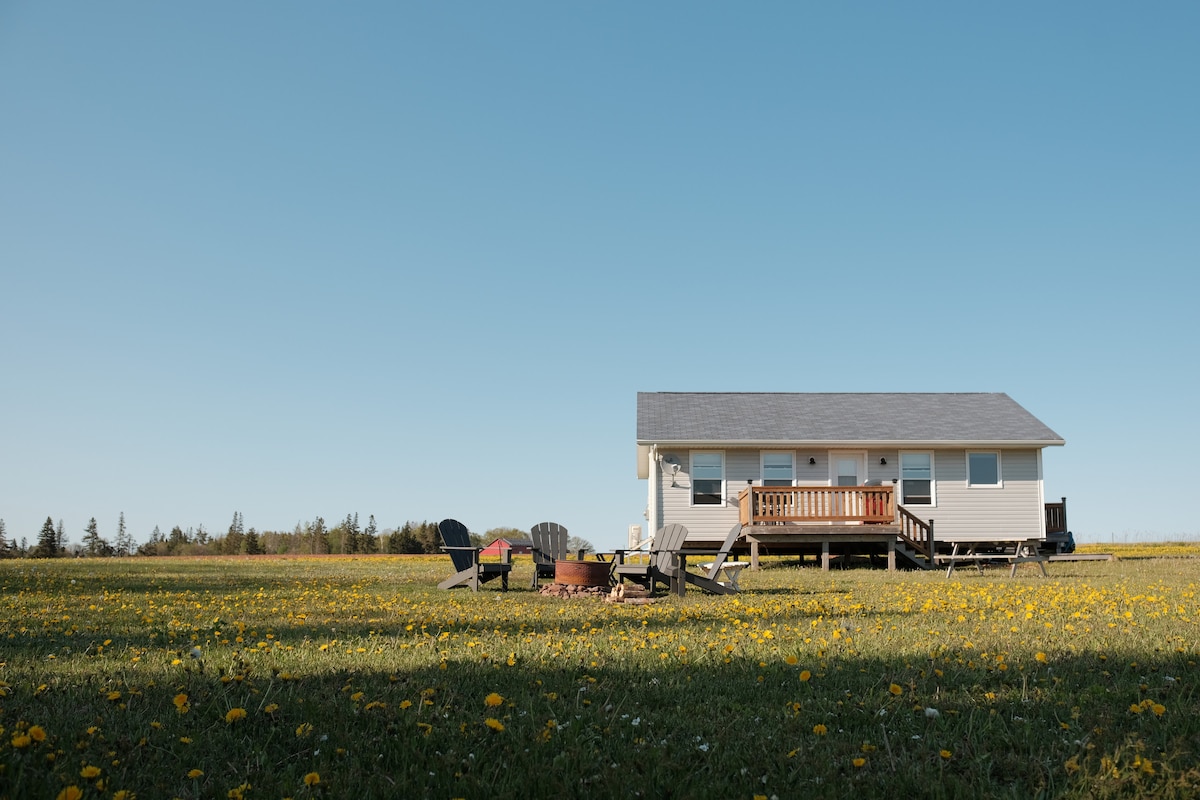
778 469
983 469
708 479
916 479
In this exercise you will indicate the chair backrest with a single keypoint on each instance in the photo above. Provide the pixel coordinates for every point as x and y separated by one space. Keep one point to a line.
549 542
726 546
455 534
662 550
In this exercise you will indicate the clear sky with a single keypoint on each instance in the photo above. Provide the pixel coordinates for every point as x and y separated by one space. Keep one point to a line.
416 259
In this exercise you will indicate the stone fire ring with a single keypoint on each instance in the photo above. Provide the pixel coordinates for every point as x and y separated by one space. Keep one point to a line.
581 573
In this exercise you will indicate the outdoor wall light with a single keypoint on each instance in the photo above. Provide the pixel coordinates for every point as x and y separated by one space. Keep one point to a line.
883 461
812 461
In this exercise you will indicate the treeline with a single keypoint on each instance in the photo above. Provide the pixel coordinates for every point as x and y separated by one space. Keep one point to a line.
308 538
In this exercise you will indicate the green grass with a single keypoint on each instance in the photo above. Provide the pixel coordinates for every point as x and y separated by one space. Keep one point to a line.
359 671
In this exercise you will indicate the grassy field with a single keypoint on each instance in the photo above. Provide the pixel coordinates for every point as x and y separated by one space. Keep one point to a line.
355 677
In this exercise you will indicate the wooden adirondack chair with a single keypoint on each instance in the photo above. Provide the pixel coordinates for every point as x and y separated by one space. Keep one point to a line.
663 566
456 541
549 545
708 581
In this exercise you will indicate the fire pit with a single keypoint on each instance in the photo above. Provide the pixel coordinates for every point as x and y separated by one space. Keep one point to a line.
581 573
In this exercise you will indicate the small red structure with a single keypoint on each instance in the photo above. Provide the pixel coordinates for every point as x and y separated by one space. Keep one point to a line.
515 547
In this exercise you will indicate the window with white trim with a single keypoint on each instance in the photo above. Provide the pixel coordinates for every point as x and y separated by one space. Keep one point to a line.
778 469
708 479
916 479
983 470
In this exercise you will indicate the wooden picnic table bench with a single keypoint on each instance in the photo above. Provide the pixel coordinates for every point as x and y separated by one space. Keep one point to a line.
1011 552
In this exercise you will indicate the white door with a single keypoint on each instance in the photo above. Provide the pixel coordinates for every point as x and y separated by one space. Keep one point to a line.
847 469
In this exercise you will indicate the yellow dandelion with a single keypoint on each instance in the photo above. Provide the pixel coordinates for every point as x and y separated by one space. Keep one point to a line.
405 704
425 728
896 689
234 714
181 703
946 754
805 676
1158 708
114 696
70 793
271 708
303 729
859 762
37 733
357 696
89 772
1041 658
1072 765
820 730
195 773
312 779
493 700
494 724
792 661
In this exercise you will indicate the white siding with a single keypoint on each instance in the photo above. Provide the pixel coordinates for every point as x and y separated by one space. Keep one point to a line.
1014 511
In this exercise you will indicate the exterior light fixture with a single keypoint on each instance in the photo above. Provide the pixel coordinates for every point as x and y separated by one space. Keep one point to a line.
811 460
883 461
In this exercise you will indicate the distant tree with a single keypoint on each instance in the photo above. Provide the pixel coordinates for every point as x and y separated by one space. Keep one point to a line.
370 537
233 539
577 543
47 544
124 542
252 546
93 545
351 537
61 535
155 546
177 541
427 534
201 536
406 540
320 537
5 547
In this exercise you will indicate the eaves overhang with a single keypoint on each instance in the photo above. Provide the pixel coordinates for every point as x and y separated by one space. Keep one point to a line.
911 444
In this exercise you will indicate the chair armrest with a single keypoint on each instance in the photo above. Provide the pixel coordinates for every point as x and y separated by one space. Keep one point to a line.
506 556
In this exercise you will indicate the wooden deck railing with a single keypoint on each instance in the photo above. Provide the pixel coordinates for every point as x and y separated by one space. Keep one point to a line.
757 504
917 532
1056 517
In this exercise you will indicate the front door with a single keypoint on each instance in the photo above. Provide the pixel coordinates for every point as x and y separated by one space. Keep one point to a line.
847 469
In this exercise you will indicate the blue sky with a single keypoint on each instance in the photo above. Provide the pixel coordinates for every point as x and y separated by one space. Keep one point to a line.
416 260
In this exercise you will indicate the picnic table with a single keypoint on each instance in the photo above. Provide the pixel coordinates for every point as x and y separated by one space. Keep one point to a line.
727 575
1011 552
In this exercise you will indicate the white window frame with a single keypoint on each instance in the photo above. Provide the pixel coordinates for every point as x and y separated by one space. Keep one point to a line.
932 477
858 455
999 484
762 465
692 476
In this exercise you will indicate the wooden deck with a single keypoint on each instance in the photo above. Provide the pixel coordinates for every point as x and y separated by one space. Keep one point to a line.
826 541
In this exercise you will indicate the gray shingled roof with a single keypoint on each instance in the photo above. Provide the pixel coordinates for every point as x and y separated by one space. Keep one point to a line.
795 417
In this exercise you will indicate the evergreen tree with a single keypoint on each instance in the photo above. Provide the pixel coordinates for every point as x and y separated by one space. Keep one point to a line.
61 535
177 541
370 537
47 544
408 541
233 538
124 542
201 536
350 535
5 547
252 546
93 545
320 537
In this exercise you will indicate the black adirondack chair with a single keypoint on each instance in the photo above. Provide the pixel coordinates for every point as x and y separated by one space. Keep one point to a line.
456 541
663 565
549 545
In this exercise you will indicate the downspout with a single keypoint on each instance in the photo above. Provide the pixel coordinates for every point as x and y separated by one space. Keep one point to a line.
653 479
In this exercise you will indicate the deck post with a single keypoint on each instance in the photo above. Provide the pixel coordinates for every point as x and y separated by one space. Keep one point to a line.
754 556
891 555
825 555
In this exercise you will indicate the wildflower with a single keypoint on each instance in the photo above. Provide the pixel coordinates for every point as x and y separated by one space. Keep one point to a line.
896 690
20 740
792 661
805 675
114 696
89 772
858 762
234 714
932 713
493 700
1072 765
357 696
72 792
405 704
819 729
304 729
946 754
181 703
425 728
1158 708
312 779
124 794
195 773
494 724
271 708
37 733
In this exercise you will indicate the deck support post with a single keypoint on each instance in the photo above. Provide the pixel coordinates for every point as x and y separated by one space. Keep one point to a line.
754 556
891 555
825 555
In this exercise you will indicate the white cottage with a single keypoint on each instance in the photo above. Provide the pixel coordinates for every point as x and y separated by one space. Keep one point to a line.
866 472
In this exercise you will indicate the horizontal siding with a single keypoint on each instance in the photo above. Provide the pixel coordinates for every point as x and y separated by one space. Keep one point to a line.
961 514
